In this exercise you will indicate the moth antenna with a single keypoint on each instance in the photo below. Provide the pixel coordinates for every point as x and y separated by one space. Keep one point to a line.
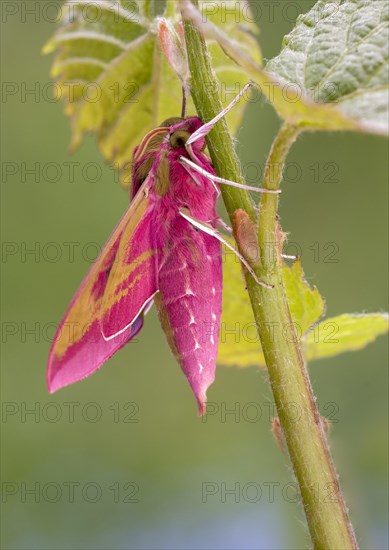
206 128
183 106
214 233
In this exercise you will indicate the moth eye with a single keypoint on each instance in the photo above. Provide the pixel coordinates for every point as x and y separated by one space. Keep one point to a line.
179 138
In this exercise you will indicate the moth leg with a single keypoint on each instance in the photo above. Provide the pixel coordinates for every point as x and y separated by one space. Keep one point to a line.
221 223
193 175
192 165
206 228
206 128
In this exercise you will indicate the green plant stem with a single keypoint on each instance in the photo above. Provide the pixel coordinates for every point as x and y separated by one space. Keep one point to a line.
301 424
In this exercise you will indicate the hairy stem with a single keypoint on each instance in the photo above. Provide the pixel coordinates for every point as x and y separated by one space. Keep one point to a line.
323 502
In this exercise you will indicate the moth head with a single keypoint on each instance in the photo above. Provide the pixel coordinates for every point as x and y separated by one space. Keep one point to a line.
178 132
181 131
178 138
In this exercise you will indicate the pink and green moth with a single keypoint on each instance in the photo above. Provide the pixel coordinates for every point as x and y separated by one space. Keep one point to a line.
166 250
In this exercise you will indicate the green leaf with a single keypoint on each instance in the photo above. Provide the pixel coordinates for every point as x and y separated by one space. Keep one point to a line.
337 53
237 22
239 339
115 79
347 332
295 81
306 304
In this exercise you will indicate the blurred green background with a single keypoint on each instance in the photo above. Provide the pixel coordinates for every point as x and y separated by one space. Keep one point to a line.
112 475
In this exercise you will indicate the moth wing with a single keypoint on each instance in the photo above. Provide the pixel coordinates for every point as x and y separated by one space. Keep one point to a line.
189 303
133 279
79 347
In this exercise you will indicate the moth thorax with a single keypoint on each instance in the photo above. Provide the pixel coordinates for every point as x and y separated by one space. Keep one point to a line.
172 121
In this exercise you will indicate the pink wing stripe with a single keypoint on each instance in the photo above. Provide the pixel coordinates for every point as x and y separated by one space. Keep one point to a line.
79 347
133 280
